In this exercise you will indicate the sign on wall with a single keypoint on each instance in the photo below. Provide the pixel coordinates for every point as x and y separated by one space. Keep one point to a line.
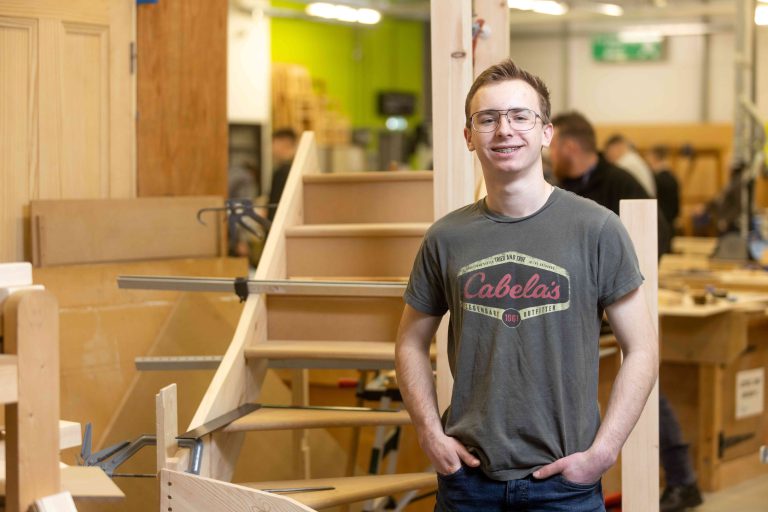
627 47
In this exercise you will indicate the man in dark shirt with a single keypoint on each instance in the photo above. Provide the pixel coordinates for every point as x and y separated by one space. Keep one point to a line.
284 143
581 170
667 187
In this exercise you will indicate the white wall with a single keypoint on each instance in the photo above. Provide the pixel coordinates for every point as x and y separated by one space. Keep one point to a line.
668 91
248 77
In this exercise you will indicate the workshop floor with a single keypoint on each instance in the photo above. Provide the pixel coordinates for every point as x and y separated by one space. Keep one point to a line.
749 496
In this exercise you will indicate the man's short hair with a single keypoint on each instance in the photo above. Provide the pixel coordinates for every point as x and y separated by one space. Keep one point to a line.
504 71
616 138
577 127
285 133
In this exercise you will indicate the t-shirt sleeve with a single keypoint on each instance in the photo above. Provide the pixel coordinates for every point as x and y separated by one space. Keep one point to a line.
425 291
618 271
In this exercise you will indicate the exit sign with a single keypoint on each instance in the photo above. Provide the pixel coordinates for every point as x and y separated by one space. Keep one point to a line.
611 48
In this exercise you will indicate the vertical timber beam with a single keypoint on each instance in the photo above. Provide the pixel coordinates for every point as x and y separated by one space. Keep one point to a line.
640 456
32 424
451 29
492 47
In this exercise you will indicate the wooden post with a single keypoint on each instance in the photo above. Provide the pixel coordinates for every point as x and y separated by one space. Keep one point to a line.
453 175
32 449
640 456
166 426
492 47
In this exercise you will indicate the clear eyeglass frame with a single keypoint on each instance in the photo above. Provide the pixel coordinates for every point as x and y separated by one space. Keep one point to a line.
524 120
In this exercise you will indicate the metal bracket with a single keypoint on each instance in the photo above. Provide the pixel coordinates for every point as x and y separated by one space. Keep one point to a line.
727 442
112 457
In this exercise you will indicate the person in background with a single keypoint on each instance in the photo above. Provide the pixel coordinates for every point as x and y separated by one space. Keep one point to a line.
619 151
526 273
284 145
579 168
667 187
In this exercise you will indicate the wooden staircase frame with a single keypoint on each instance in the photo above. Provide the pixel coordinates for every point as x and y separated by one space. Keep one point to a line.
238 380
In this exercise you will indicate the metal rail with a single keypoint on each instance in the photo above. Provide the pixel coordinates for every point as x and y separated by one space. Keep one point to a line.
276 287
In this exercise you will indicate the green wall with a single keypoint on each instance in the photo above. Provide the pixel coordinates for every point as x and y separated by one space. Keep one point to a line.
355 62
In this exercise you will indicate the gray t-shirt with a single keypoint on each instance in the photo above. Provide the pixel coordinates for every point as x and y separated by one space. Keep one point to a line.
526 298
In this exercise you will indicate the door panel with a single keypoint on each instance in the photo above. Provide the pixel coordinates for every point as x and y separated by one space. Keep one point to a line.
67 98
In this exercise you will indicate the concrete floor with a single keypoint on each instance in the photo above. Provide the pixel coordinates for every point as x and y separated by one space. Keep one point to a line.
750 496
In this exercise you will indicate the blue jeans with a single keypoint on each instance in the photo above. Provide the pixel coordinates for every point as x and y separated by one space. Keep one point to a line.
469 490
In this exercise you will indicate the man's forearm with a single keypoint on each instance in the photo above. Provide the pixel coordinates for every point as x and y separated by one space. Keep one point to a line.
417 385
631 388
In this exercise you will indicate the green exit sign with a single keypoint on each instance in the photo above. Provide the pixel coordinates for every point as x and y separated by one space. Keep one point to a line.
612 48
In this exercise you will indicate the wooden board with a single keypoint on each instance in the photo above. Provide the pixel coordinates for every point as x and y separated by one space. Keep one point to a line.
32 444
640 456
314 349
368 197
182 492
89 483
351 489
376 250
66 232
716 339
454 185
279 418
182 98
9 379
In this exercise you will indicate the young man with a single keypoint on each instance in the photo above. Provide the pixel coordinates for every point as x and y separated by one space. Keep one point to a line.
526 273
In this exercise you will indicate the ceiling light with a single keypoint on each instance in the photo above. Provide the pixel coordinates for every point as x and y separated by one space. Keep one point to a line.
540 6
609 9
368 16
761 14
343 13
523 5
550 7
322 10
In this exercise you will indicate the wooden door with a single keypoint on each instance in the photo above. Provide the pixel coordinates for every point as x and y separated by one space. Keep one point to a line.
67 127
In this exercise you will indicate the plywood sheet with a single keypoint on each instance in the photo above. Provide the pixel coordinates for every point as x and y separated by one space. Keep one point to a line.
66 232
182 98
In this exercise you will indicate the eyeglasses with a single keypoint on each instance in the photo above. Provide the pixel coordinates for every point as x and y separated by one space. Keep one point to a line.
521 119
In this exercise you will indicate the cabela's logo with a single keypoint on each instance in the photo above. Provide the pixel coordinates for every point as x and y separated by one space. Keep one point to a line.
512 287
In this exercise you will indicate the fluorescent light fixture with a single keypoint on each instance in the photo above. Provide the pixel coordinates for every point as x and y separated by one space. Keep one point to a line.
761 14
523 5
368 16
322 10
550 7
540 6
346 13
343 13
609 9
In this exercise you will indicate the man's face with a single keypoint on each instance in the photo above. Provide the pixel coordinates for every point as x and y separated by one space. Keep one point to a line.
283 150
507 150
560 154
615 151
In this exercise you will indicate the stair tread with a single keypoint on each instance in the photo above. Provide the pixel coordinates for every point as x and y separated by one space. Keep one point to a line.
349 489
285 418
362 177
315 349
362 229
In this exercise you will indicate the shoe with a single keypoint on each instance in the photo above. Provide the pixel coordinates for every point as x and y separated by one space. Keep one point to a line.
680 497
